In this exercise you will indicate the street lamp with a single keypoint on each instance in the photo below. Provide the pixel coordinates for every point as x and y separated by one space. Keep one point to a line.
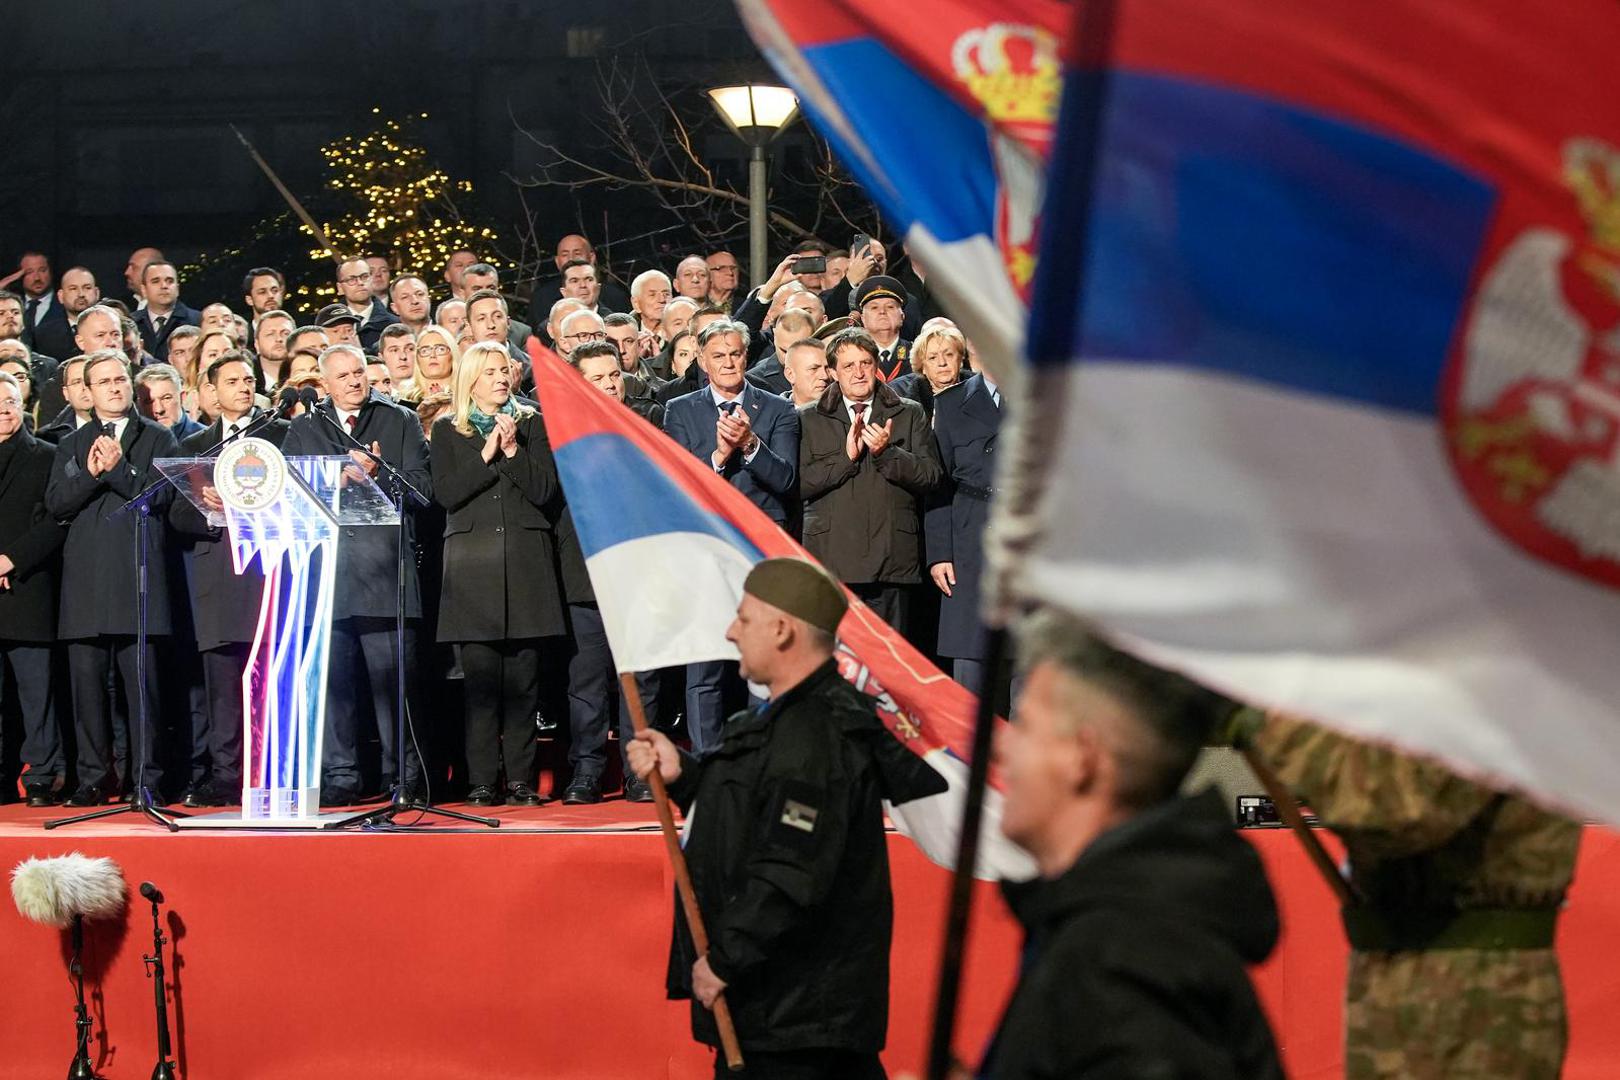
757 114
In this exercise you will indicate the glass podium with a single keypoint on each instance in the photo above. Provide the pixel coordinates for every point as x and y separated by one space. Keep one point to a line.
288 513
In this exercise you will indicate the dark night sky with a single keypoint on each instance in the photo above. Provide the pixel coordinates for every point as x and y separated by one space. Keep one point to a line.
115 115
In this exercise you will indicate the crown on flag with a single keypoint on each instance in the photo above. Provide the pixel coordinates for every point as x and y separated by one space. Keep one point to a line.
1012 69
1592 170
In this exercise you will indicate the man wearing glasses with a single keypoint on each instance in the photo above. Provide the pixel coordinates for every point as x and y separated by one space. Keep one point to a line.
106 462
723 270
354 283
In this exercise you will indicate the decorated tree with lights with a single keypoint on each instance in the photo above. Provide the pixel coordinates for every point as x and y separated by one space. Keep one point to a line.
383 195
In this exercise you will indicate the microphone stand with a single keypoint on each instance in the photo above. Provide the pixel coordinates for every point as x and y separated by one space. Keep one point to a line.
141 800
80 1069
401 802
164 1069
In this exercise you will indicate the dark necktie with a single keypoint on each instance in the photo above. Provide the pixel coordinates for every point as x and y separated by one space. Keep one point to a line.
859 409
33 313
350 420
158 324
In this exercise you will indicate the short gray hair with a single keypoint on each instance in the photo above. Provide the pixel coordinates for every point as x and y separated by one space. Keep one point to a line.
342 347
719 327
152 373
648 275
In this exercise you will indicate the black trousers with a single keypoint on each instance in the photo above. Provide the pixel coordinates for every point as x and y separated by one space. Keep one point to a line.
95 665
501 685
709 684
591 680
28 667
363 654
217 747
891 603
803 1065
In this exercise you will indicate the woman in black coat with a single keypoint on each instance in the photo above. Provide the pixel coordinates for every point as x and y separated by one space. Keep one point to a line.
937 358
493 472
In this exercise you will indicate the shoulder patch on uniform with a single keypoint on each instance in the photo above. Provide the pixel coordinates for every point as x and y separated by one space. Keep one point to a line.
798 815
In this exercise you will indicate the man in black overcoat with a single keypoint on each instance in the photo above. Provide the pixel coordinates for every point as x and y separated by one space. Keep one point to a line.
97 469
30 547
224 604
366 601
786 846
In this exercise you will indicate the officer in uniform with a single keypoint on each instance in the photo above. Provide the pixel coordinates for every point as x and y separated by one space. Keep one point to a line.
1452 968
785 844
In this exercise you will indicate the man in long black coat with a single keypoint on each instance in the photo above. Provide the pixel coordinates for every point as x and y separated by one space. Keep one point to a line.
967 421
364 607
786 846
224 604
97 469
30 546
866 461
1148 905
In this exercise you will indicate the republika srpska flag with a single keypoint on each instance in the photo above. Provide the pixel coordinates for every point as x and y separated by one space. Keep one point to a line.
1332 384
668 544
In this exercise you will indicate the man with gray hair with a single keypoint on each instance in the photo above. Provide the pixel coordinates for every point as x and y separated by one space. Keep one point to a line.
362 652
158 394
649 292
1148 905
750 438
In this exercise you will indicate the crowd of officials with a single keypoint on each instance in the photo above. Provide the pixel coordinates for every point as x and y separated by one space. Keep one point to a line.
835 396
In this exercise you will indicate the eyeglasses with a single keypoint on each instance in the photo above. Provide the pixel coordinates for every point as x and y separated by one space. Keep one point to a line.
354 279
432 350
717 267
588 335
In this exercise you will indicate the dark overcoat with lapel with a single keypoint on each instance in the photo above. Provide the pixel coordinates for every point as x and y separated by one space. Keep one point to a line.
966 422
500 544
770 480
31 538
224 604
862 518
768 375
367 557
100 578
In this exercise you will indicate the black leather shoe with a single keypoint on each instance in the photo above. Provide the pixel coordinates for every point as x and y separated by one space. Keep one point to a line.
637 790
339 796
88 795
483 795
40 795
583 790
200 795
521 795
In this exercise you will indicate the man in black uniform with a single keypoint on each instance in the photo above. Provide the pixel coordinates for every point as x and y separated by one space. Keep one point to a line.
785 844
225 604
1148 905
366 601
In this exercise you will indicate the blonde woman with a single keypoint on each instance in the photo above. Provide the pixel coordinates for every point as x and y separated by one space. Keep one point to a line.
493 473
436 357
937 358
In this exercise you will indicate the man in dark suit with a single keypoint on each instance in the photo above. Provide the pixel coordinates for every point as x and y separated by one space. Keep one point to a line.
609 296
371 314
224 603
77 293
844 298
967 418
30 540
97 469
752 439
158 390
866 461
164 311
366 601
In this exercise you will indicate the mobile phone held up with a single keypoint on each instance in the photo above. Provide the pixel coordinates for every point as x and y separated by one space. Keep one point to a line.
810 264
859 245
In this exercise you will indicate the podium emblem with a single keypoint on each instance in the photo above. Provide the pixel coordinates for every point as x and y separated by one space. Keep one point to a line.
249 474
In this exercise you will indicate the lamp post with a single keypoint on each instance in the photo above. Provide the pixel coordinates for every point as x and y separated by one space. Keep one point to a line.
757 114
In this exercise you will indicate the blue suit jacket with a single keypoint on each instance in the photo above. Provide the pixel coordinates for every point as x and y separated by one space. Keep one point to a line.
771 479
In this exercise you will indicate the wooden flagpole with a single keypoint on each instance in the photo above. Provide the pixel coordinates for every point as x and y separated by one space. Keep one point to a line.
292 200
683 878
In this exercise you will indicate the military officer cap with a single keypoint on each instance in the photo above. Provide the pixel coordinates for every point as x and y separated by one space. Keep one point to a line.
801 589
877 286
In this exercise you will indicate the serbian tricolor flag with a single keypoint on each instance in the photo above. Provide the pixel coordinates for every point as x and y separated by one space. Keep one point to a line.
668 544
1326 357
944 111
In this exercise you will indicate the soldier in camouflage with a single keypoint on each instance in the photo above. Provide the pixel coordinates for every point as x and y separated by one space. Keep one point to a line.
1452 967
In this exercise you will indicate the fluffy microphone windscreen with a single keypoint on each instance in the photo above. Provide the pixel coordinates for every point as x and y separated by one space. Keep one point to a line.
53 890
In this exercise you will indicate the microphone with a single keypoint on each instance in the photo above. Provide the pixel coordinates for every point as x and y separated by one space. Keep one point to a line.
53 891
286 402
150 891
308 398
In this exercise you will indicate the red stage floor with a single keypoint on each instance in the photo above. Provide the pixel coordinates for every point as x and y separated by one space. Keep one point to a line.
538 951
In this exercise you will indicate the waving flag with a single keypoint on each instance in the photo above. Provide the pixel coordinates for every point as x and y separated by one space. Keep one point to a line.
1326 355
668 544
944 111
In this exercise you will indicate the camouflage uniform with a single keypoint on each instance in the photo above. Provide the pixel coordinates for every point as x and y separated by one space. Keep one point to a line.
1452 970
